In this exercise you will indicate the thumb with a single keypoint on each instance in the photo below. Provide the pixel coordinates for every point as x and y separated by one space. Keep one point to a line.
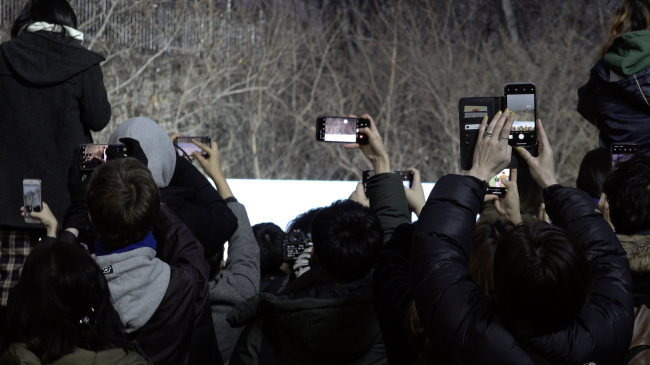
525 155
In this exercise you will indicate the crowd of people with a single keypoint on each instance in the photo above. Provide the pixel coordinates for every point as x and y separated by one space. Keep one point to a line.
126 264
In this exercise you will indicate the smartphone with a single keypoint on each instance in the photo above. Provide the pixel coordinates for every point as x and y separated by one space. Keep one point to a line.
93 155
407 178
495 185
521 99
294 244
471 111
32 198
185 146
341 130
623 152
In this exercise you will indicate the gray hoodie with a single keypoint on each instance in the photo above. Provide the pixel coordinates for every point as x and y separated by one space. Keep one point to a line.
155 143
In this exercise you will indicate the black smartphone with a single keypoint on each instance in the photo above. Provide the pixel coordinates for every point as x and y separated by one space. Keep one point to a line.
185 146
294 244
341 130
32 198
407 178
93 155
495 185
521 99
623 152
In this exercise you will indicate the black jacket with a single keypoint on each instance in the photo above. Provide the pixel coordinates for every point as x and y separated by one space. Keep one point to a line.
167 337
461 321
51 96
196 202
617 108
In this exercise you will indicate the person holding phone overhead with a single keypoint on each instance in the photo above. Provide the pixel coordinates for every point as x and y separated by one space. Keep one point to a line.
53 95
616 99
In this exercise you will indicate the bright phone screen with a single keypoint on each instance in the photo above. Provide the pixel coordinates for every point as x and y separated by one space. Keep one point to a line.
523 128
340 130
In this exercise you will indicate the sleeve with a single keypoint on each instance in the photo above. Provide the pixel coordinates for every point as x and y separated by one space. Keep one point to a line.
205 195
388 201
457 317
587 98
603 330
240 279
95 108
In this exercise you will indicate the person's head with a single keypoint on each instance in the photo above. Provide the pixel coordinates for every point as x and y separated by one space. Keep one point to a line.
155 143
541 278
594 169
61 302
270 237
484 245
123 202
628 194
630 16
57 12
304 221
347 238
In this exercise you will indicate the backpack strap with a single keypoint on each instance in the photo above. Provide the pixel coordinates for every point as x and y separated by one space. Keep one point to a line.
641 90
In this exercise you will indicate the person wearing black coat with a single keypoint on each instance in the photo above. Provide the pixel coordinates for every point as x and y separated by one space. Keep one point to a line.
464 323
52 96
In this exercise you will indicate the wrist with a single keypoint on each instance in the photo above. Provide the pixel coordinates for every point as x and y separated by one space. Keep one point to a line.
480 174
381 165
52 230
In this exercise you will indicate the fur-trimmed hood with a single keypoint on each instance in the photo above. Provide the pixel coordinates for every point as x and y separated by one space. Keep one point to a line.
637 248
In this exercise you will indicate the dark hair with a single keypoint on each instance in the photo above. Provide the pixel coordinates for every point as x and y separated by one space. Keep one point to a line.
541 278
60 284
57 12
593 172
270 237
628 194
304 221
123 202
484 245
630 16
347 238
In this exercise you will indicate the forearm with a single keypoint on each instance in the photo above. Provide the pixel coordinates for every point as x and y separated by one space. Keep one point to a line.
388 201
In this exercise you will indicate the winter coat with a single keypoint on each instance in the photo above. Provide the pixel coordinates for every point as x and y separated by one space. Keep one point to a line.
18 354
167 335
235 283
618 108
463 322
393 278
638 252
318 322
51 96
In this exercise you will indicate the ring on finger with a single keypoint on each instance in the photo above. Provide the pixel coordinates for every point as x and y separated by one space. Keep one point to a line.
506 137
487 134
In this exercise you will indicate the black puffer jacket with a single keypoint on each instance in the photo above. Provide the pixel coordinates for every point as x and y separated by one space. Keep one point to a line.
618 108
461 321
51 96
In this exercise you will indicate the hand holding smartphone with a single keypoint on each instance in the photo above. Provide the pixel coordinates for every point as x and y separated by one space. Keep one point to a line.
185 146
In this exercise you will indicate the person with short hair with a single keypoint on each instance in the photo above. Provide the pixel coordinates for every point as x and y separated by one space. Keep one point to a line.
561 292
274 271
154 265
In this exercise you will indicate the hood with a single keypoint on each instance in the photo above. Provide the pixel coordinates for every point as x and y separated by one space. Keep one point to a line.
156 144
637 248
43 59
138 282
18 353
630 53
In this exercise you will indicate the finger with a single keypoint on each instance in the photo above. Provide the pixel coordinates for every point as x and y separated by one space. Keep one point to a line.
373 126
352 116
173 136
202 146
542 136
482 128
525 155
500 122
417 177
351 146
513 175
490 197
215 146
197 156
508 184
507 127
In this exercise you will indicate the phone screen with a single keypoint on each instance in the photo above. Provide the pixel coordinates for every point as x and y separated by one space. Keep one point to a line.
521 100
186 147
623 152
93 155
495 185
32 197
340 129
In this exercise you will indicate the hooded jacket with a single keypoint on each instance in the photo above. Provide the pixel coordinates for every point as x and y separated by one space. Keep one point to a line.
637 248
18 354
463 322
167 334
317 322
616 99
51 96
